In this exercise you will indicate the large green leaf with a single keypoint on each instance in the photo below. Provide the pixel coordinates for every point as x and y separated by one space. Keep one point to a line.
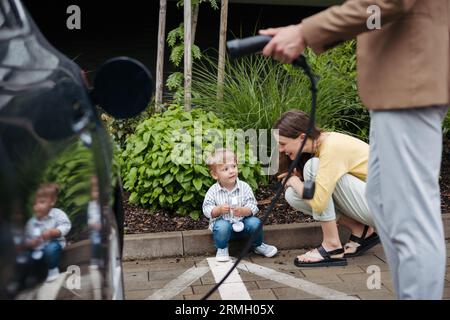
245 172
139 147
157 191
187 197
202 170
195 215
82 200
161 161
133 197
167 179
197 183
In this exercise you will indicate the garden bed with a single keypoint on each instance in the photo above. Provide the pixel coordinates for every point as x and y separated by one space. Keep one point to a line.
139 220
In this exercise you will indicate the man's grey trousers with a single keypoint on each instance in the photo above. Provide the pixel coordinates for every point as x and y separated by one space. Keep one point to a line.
404 199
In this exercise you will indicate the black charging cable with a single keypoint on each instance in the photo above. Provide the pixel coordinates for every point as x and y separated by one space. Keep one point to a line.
238 48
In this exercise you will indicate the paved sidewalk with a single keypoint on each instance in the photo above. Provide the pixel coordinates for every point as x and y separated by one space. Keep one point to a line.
263 278
200 242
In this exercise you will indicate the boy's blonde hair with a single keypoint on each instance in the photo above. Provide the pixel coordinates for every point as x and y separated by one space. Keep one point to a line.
220 156
49 190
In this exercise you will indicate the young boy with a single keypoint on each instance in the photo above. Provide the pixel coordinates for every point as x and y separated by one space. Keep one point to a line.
216 206
45 231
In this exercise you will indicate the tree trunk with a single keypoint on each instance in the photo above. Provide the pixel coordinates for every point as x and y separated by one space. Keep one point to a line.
187 54
160 56
194 22
222 48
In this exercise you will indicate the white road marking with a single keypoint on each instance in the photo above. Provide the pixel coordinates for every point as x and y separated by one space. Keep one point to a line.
179 284
96 280
233 288
50 290
288 280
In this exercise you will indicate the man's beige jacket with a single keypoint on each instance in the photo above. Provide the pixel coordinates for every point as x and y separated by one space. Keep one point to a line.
404 64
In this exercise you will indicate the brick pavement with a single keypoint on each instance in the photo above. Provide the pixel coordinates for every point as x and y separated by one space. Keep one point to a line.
144 278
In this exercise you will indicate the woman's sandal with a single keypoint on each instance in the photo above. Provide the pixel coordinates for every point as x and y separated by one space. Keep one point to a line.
327 259
362 244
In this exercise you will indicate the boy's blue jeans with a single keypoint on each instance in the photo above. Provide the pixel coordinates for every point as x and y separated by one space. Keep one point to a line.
52 254
223 231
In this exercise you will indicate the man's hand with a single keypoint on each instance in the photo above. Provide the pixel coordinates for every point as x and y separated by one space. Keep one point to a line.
287 43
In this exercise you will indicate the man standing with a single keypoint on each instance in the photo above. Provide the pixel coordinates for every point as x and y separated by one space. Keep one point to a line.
404 79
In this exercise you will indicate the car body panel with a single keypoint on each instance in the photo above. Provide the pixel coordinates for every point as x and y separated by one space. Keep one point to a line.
50 131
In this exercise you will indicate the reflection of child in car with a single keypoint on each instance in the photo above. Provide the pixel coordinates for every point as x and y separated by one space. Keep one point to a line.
94 223
46 230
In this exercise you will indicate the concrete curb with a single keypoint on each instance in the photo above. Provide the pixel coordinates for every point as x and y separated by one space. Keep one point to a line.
200 242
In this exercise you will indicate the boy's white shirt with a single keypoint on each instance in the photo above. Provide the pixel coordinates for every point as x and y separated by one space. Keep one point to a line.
218 195
56 219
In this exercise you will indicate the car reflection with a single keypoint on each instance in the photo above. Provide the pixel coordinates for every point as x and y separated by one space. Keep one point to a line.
61 210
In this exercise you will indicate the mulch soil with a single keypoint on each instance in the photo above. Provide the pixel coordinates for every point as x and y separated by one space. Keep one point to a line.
139 220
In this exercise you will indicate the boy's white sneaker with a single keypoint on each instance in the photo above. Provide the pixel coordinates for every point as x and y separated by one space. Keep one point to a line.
37 254
222 255
266 250
52 274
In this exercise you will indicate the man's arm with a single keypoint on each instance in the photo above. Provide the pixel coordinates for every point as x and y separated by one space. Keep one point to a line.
339 23
328 28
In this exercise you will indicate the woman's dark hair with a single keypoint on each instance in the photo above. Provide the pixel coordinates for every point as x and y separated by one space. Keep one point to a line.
291 124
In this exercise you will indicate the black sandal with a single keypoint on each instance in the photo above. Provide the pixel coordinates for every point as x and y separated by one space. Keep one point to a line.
327 261
364 243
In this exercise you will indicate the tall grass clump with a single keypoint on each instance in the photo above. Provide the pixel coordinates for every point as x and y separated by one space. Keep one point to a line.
258 90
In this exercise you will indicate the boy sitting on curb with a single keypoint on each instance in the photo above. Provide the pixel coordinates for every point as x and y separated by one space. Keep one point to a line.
216 206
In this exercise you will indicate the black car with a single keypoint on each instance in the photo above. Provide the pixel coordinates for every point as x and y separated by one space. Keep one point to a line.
61 216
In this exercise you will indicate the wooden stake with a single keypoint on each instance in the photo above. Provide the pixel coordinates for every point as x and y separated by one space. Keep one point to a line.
194 22
160 56
222 48
187 54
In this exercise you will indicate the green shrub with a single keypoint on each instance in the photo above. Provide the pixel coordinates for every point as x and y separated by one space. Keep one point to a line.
120 129
257 90
72 171
164 163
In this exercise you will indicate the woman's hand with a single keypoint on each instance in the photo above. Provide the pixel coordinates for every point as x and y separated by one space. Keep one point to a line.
292 180
283 176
